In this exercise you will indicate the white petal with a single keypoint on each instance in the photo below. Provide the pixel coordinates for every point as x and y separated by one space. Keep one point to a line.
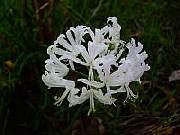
62 41
104 63
51 80
95 49
104 98
117 78
59 68
92 83
70 37
85 54
79 32
69 56
121 89
75 99
50 49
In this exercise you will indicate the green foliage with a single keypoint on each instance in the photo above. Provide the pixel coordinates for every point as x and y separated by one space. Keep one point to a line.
27 28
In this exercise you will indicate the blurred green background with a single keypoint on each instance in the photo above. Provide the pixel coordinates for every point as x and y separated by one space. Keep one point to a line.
28 27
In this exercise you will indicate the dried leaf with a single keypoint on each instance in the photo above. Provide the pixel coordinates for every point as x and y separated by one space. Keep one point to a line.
175 75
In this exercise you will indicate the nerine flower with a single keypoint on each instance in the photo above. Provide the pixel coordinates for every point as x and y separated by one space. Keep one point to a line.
100 58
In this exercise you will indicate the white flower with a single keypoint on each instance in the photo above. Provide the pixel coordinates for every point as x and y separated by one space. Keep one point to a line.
101 53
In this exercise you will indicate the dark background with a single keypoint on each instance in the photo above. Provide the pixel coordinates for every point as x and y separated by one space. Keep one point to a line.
28 27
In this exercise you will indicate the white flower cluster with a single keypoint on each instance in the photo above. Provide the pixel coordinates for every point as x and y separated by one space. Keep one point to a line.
107 63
